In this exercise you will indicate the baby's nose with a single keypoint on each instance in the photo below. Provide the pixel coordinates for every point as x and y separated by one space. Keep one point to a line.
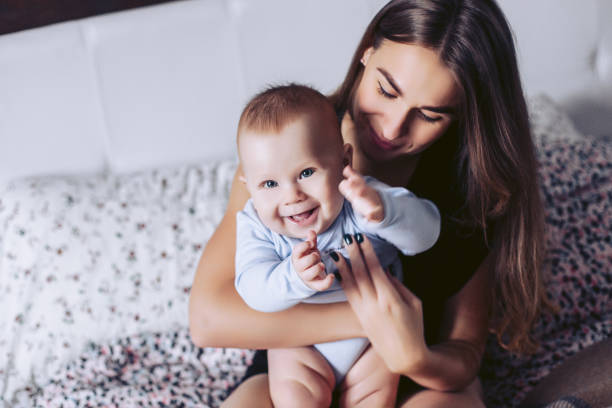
293 194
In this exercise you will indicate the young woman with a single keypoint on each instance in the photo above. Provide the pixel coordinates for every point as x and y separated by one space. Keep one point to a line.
433 102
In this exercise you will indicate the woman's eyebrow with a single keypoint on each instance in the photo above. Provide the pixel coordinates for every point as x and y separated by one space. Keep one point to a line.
390 80
440 109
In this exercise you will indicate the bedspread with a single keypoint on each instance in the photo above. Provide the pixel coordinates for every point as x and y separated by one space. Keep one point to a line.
98 257
150 370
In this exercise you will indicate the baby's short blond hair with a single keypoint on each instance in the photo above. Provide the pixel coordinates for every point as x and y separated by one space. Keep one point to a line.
277 106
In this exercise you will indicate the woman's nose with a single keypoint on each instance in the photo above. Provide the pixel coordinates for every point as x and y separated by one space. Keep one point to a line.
395 125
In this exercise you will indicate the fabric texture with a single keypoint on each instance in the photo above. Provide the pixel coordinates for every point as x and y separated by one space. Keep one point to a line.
146 370
97 258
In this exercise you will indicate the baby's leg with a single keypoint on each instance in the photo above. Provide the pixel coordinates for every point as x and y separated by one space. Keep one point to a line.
369 383
300 377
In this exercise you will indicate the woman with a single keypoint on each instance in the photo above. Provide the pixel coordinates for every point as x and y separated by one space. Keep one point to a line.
432 101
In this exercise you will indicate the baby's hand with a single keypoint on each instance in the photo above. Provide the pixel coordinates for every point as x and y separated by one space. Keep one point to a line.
364 199
306 260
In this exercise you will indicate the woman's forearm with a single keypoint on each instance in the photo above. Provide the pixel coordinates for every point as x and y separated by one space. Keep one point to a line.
222 319
448 366
218 317
453 363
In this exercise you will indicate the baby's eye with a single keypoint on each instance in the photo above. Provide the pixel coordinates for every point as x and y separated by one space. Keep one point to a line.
269 184
306 173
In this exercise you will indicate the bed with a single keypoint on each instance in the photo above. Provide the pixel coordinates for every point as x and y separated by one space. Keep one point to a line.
117 152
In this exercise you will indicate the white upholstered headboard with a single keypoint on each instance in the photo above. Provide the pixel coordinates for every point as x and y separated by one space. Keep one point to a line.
164 85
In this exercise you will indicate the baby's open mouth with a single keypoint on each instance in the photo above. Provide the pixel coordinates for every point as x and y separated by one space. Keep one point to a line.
305 218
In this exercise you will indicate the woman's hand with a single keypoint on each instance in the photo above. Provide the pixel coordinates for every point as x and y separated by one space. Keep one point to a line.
391 316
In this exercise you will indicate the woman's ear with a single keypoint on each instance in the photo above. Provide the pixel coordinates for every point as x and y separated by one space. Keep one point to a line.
347 158
366 55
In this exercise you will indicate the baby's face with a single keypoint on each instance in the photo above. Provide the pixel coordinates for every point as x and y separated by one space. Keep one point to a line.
293 176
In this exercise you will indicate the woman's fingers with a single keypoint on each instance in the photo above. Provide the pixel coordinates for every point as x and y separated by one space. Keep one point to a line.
358 265
404 292
347 280
379 276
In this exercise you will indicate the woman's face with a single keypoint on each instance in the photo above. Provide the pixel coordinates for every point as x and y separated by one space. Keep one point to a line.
405 101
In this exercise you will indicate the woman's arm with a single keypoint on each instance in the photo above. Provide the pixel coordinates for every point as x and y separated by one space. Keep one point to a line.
392 319
453 363
218 317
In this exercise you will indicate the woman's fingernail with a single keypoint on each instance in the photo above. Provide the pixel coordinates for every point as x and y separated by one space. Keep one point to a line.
348 239
334 256
337 276
359 237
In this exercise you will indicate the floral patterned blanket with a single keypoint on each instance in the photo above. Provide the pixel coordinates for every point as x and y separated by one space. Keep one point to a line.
95 273
98 258
146 370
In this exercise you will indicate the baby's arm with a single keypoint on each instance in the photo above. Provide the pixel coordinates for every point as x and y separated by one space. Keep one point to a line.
395 214
266 282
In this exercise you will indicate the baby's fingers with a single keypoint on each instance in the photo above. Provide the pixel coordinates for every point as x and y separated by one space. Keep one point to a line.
322 284
312 238
349 172
301 249
350 189
316 271
307 261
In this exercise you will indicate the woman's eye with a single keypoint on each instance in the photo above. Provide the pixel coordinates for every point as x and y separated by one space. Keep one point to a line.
269 184
429 118
306 173
384 93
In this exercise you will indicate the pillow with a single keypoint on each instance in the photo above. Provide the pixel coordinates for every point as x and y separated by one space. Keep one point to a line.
576 184
549 122
93 258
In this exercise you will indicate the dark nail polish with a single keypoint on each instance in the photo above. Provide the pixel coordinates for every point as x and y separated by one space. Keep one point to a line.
359 237
348 239
337 276
334 256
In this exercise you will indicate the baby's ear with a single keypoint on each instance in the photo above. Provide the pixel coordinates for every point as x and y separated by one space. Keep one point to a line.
347 158
241 175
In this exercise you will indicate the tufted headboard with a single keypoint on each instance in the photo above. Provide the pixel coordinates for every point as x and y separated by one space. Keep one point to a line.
162 85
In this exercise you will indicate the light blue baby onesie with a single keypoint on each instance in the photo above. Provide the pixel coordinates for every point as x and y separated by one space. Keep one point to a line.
267 281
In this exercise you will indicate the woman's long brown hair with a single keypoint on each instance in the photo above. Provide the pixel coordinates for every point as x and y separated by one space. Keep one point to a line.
497 163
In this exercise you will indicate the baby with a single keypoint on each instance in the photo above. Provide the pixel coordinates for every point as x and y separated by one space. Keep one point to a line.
301 208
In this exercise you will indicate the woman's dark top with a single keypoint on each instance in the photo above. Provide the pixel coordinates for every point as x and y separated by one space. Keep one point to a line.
440 272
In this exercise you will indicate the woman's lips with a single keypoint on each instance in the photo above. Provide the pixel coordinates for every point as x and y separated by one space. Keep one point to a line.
306 218
379 141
